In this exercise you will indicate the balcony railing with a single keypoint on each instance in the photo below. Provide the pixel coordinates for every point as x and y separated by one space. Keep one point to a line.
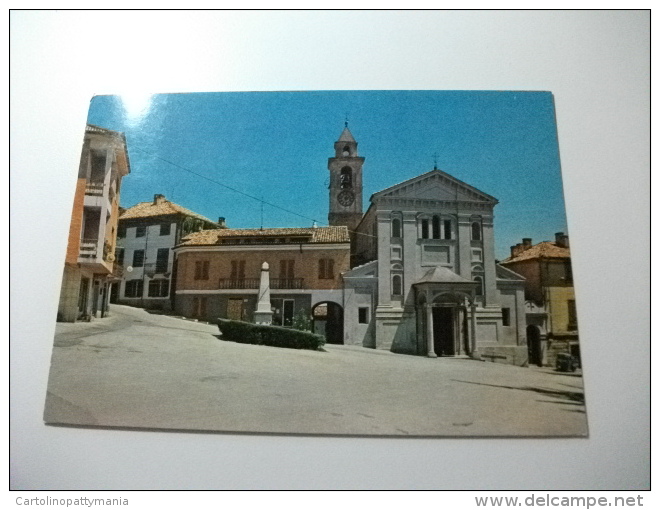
286 283
88 247
94 188
253 283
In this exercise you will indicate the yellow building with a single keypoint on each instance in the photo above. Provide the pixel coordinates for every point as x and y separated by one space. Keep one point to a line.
550 297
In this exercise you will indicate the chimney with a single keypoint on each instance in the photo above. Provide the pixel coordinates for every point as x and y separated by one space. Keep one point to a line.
221 222
159 199
527 242
561 239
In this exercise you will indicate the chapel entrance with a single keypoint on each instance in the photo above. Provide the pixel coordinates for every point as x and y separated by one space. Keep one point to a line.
444 338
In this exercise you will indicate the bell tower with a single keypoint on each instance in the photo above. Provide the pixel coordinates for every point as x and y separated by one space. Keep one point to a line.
345 183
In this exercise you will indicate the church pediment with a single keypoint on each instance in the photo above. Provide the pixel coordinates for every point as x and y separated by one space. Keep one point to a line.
435 185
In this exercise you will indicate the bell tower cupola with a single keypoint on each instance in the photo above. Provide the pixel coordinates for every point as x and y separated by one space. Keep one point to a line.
345 182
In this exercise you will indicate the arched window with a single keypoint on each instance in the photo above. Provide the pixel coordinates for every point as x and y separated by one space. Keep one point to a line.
396 285
345 151
396 227
476 231
435 227
346 177
480 285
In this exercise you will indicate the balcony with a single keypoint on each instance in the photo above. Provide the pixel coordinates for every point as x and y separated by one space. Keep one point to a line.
88 248
94 189
253 283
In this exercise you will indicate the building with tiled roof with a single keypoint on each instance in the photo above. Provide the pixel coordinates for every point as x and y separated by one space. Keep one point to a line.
294 235
147 233
219 273
90 268
551 315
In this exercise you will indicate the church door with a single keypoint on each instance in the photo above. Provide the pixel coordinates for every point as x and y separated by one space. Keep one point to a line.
443 331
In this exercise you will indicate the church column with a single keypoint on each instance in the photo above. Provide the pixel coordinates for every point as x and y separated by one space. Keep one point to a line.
464 265
384 264
429 332
473 330
409 231
490 278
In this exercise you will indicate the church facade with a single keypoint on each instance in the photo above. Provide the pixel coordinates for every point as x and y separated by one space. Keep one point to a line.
424 278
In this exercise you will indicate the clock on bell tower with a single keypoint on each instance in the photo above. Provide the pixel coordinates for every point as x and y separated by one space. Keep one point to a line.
345 182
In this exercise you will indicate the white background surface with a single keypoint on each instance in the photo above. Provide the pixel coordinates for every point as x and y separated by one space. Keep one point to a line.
595 63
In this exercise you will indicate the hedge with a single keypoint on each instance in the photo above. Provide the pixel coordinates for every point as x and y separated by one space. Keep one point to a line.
274 336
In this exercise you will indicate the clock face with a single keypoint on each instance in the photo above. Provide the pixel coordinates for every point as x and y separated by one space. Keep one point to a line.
346 198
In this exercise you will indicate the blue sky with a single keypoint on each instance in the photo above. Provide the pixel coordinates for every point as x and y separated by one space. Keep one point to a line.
275 145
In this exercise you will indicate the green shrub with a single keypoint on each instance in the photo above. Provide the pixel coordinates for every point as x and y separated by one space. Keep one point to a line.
274 336
302 321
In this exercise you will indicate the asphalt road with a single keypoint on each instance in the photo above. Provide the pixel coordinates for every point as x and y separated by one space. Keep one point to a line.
135 369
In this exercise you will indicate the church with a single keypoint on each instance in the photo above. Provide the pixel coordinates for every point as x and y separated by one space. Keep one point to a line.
423 277
414 274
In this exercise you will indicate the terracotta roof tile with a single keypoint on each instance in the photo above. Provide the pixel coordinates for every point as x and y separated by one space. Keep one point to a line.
546 250
314 235
163 208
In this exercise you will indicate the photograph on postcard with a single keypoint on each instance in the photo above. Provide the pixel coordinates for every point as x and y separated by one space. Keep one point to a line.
388 263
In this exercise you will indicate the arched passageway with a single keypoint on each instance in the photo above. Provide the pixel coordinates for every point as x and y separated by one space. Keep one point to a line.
328 320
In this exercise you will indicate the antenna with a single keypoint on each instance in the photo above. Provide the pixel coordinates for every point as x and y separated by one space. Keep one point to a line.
262 213
346 120
435 161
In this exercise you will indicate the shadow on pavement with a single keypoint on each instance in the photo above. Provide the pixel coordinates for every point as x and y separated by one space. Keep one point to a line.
572 396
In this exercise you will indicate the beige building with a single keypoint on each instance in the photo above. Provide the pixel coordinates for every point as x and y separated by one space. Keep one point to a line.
218 274
550 297
89 267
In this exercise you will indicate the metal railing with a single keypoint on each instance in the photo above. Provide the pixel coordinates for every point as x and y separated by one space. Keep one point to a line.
88 247
253 283
94 188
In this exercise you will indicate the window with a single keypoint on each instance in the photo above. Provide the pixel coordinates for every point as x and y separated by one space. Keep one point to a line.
572 315
159 288
568 272
165 229
286 269
119 256
121 231
425 228
140 231
480 285
134 288
346 178
326 269
363 315
476 231
396 285
396 227
201 270
435 224
506 316
138 258
237 270
447 225
162 259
